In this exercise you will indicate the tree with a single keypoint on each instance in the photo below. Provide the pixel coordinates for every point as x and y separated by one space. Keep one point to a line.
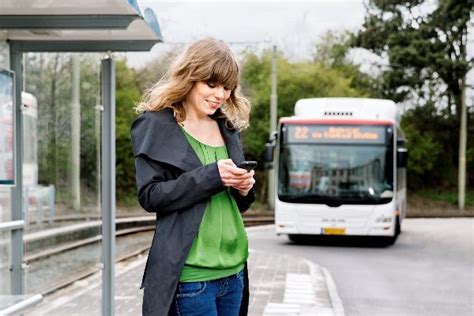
425 46
332 50
425 146
419 48
127 95
49 80
155 70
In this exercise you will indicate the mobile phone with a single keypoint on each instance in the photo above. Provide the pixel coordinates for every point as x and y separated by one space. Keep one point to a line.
248 165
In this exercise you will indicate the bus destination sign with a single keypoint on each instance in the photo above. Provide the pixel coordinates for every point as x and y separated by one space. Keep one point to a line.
338 134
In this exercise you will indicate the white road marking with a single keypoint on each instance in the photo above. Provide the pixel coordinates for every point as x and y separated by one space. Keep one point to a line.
299 295
299 289
281 309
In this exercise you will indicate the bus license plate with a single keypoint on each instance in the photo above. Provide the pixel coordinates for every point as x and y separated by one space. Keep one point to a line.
334 231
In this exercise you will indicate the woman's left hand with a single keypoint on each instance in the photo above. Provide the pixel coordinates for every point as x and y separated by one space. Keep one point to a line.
246 184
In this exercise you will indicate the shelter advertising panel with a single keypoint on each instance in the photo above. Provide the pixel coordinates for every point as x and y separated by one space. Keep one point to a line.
7 125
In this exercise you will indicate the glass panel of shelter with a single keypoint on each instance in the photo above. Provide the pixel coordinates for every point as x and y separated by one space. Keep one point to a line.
5 204
62 219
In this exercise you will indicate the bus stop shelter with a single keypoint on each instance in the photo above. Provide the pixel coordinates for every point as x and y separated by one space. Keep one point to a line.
70 26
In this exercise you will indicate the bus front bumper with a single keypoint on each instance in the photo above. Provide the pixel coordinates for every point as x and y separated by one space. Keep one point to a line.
375 230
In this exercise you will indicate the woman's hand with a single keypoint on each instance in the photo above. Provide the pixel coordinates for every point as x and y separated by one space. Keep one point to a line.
238 178
230 174
246 184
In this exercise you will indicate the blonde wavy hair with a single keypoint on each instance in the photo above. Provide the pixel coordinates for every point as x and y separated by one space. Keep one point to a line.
207 60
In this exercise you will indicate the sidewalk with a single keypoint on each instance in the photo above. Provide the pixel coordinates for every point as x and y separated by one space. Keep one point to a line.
279 285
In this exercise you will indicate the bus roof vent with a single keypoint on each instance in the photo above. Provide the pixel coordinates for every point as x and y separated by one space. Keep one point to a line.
346 108
338 113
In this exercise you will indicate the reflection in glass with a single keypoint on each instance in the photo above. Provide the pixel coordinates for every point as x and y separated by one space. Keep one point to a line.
5 241
7 118
336 174
61 239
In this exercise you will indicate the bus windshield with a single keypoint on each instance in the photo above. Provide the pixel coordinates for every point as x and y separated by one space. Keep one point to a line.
348 172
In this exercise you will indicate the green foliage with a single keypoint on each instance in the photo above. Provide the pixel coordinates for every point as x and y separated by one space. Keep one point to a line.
419 47
426 51
332 50
49 80
431 162
155 70
90 136
127 95
449 196
130 86
424 152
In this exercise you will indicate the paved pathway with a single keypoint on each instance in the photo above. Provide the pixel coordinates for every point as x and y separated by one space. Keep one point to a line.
279 285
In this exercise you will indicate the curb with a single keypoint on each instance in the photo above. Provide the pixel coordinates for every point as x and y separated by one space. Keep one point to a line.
333 294
260 227
336 302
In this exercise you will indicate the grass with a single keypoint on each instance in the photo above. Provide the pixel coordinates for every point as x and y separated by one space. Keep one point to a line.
450 197
127 200
260 207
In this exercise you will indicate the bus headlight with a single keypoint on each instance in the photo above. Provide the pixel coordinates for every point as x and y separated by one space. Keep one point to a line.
383 219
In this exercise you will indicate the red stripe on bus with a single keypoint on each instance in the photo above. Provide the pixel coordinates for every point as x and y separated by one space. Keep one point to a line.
338 122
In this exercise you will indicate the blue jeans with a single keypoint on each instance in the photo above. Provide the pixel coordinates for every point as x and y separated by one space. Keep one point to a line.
209 298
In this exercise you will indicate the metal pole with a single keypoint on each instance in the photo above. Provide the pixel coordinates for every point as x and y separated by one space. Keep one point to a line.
52 206
17 273
462 148
108 187
98 116
273 124
76 135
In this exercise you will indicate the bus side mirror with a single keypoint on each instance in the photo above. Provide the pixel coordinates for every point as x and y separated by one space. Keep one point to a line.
269 149
402 157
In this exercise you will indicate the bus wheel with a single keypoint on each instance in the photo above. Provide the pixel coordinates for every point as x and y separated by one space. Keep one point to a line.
389 241
398 227
295 238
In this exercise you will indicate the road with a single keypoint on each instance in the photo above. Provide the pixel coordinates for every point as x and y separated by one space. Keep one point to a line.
429 271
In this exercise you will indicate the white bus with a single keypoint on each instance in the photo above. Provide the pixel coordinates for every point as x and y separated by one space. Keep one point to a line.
340 169
29 110
37 198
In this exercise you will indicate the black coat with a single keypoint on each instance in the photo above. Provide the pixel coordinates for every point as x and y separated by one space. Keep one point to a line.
173 183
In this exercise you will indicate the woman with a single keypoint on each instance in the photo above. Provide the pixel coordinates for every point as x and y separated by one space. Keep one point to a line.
186 146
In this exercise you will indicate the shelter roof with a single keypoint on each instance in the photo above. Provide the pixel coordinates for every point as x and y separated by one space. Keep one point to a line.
72 25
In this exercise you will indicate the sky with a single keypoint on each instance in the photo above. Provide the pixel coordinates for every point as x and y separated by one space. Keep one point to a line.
293 26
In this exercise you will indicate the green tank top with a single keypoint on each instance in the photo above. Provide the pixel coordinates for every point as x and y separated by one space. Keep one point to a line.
220 248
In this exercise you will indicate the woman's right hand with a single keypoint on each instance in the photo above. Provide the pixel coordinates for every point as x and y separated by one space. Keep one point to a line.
230 174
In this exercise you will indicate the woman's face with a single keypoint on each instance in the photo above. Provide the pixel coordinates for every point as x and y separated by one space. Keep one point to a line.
205 98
